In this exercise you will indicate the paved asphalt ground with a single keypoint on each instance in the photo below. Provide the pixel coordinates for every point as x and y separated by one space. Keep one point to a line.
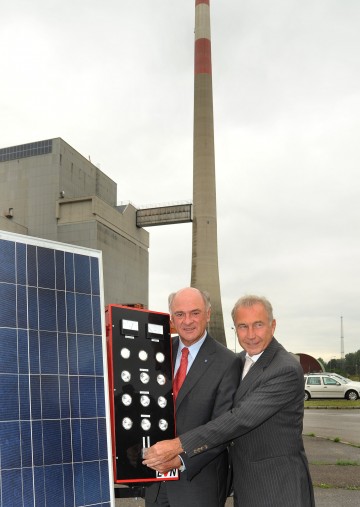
334 484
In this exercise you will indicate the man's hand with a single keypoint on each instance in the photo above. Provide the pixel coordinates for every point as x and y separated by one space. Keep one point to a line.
168 465
160 453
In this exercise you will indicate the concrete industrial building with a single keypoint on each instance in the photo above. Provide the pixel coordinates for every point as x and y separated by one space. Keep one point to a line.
48 190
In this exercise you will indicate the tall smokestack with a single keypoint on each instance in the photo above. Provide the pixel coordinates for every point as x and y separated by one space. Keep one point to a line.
205 269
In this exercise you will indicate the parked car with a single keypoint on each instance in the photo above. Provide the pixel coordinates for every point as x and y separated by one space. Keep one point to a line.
345 379
335 375
321 385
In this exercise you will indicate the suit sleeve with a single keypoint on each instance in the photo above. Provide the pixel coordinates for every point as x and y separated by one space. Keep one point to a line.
278 390
223 402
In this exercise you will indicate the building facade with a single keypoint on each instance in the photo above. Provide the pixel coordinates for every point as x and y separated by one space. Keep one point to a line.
48 190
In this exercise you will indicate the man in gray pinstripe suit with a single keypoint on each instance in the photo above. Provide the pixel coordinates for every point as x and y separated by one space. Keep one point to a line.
264 428
213 374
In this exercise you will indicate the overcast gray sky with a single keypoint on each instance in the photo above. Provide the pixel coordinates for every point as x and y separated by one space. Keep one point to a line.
114 79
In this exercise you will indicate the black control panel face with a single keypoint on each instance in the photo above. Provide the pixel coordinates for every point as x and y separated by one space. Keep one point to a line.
140 379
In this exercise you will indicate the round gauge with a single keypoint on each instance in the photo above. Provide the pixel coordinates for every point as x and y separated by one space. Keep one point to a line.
161 379
145 424
126 399
163 425
127 423
125 353
162 401
144 377
126 376
144 400
143 355
160 358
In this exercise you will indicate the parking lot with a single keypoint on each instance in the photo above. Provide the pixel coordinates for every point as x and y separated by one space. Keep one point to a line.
332 481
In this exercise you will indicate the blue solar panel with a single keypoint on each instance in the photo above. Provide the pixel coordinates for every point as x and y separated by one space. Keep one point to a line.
54 415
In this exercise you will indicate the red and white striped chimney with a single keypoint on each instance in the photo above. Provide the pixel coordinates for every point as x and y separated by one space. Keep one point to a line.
204 268
202 37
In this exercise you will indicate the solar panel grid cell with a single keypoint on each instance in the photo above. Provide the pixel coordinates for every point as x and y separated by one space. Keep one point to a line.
53 416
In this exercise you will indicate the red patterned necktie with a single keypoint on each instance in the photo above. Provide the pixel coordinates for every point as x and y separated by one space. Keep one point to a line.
181 373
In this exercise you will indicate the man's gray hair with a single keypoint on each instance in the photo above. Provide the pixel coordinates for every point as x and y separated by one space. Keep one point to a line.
250 300
203 293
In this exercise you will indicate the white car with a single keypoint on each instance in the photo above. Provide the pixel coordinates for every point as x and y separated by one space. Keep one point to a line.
345 379
328 386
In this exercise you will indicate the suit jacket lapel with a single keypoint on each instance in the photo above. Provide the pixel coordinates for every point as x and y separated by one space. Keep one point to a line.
257 370
202 362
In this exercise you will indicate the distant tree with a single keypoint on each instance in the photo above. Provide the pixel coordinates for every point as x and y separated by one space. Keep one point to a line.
333 365
350 366
352 363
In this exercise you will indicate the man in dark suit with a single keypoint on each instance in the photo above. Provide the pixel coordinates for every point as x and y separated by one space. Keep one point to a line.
212 376
265 425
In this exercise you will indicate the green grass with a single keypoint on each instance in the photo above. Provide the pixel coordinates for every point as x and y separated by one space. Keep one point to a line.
332 403
336 439
339 462
323 485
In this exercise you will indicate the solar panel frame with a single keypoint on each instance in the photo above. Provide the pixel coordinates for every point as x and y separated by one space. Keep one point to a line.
55 438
